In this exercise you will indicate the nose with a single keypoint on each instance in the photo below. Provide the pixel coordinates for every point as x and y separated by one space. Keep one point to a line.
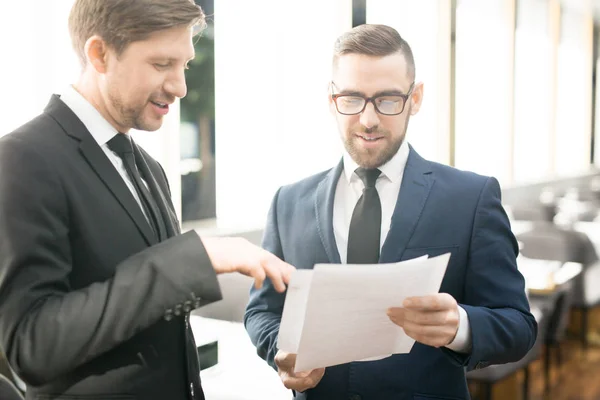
175 84
369 117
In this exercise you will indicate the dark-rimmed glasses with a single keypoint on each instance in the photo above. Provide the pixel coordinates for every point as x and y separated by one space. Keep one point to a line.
385 104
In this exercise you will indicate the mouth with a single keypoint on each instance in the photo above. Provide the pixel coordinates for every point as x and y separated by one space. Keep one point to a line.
160 105
368 138
160 108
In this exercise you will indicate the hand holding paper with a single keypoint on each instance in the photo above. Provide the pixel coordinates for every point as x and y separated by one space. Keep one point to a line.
431 320
299 381
336 314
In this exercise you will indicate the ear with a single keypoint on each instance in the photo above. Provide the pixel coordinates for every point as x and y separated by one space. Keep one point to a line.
416 98
96 52
331 103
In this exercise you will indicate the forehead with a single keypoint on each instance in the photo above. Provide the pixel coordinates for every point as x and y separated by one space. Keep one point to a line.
176 43
370 74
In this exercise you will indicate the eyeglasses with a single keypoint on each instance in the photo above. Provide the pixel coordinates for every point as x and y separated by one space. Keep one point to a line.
385 104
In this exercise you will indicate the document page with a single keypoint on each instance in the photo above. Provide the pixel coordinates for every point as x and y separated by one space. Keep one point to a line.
336 314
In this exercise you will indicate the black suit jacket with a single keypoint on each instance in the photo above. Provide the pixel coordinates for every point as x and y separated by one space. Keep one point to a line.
91 305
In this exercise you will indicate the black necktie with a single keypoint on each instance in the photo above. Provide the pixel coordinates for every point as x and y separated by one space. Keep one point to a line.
121 144
365 226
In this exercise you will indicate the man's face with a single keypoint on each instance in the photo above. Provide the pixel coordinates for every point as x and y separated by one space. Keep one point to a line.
370 137
141 83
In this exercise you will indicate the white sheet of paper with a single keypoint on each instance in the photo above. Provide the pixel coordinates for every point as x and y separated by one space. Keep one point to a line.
336 314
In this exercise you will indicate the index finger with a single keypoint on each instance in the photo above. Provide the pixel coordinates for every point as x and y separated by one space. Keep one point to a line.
272 267
279 271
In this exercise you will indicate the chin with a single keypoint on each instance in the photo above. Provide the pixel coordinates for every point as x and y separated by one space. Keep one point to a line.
149 126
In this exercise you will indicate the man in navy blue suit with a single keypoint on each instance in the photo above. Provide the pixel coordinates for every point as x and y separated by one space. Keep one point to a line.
384 203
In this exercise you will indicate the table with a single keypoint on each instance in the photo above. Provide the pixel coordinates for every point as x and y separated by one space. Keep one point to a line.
545 275
240 374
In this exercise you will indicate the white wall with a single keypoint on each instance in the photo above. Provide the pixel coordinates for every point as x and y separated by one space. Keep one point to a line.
273 125
574 92
484 87
534 88
425 25
38 61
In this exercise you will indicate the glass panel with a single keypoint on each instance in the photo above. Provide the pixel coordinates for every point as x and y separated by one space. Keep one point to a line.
533 92
573 109
197 129
420 24
484 87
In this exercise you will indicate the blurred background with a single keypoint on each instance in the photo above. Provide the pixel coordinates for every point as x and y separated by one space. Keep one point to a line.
510 91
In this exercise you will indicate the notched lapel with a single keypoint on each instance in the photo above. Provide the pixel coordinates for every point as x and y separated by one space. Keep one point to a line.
151 175
414 191
324 198
114 182
101 165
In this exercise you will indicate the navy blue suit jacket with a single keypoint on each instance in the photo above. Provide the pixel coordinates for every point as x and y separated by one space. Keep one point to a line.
439 209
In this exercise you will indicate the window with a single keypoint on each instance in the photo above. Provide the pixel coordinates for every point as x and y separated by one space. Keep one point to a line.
484 87
574 92
272 117
425 25
534 92
197 128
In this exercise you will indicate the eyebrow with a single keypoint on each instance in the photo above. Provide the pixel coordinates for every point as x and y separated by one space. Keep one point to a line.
387 92
171 59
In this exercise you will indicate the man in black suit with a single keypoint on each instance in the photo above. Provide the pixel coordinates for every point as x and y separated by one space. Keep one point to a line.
96 281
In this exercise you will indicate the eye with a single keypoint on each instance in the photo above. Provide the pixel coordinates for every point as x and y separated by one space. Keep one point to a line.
351 100
161 66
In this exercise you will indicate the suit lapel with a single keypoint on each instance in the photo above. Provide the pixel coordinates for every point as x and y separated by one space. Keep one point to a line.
324 199
414 190
151 176
101 165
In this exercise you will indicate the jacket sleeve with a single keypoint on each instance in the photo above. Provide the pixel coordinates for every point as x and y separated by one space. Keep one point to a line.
264 310
47 328
502 328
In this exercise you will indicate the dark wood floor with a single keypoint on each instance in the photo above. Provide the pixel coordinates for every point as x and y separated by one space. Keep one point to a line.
578 378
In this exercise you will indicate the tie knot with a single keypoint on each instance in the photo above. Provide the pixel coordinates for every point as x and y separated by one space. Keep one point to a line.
120 144
368 176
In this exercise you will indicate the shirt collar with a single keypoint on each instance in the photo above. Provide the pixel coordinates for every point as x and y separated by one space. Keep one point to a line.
100 129
392 170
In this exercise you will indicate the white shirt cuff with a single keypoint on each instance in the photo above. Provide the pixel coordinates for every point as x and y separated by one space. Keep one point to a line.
462 340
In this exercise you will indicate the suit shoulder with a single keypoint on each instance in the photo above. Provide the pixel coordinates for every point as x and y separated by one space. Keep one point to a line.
37 132
34 148
459 176
463 183
304 186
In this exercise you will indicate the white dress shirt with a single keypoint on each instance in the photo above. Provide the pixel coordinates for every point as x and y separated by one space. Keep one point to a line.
348 191
101 130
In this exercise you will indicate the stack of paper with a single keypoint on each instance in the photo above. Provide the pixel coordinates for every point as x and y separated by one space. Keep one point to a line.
336 314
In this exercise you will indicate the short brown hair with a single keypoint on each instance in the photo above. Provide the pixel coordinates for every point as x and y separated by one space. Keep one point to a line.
122 22
374 40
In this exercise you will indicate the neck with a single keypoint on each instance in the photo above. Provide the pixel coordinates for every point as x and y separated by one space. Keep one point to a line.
88 87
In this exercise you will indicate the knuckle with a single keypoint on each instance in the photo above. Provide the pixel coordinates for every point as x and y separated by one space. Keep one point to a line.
287 384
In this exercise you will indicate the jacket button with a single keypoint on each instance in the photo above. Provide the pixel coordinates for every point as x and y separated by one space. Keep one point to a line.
178 309
481 364
168 315
187 306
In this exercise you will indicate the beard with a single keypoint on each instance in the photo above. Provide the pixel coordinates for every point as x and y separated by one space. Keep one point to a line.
132 116
373 158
